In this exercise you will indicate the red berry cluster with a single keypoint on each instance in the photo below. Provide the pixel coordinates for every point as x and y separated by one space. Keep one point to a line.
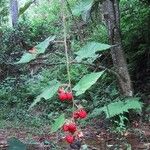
78 114
64 96
81 113
72 128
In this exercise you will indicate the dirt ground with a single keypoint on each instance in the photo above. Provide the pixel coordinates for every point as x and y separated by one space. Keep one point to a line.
95 138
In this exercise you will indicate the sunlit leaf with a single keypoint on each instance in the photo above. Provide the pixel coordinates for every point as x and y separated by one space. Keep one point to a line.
40 48
85 16
119 107
86 82
26 57
82 7
25 7
47 93
90 49
58 123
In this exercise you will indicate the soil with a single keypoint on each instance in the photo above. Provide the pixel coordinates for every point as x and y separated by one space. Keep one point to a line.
95 138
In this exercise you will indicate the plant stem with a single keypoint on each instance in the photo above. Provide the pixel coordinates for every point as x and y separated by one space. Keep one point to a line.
66 49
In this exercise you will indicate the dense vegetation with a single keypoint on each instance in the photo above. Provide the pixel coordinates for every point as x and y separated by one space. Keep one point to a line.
29 79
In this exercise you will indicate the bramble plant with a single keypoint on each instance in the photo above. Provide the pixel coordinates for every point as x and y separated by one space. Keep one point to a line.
86 55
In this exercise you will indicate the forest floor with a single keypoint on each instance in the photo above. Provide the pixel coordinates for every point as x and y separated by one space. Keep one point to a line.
95 138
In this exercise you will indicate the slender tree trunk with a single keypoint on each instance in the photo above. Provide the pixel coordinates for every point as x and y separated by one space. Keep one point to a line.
14 12
111 15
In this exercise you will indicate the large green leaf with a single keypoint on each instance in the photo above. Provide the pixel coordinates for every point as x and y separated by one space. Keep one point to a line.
90 49
119 107
82 7
47 93
25 7
133 103
26 57
86 82
58 123
40 48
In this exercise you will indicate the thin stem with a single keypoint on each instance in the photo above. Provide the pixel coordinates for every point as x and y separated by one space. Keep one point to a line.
65 42
66 49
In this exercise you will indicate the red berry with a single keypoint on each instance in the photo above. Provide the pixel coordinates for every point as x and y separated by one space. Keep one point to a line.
65 128
72 127
69 139
82 113
62 96
69 95
75 115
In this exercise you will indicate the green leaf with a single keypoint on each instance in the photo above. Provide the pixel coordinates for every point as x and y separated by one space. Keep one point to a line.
117 108
111 109
15 144
84 147
86 16
86 82
90 49
25 7
82 7
27 57
58 123
47 93
133 103
40 48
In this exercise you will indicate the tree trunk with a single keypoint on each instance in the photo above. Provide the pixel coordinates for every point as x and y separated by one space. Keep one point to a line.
111 14
14 12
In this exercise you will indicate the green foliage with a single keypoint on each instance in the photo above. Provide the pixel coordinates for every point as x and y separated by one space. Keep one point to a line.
120 125
40 49
25 7
27 57
47 93
90 49
20 89
117 108
135 22
99 33
4 13
59 122
82 7
86 82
